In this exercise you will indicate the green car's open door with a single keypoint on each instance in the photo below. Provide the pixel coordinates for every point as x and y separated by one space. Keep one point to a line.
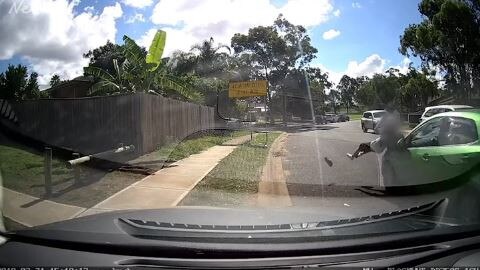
441 148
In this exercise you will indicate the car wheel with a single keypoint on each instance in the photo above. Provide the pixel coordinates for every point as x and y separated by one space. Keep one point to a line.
364 128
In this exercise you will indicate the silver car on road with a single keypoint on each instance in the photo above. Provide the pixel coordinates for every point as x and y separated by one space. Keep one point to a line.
370 119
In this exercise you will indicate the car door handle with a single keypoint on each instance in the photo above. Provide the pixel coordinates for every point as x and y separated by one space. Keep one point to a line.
426 157
466 157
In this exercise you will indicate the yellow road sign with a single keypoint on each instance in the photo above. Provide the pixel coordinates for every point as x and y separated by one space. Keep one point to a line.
247 89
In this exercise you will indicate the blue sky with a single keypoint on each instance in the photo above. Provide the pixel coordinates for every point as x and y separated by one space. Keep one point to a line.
353 37
374 28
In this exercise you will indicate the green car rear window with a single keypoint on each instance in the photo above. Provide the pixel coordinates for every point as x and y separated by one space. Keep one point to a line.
461 131
445 130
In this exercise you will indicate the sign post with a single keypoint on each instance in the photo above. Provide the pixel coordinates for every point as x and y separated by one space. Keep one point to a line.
250 89
247 89
47 169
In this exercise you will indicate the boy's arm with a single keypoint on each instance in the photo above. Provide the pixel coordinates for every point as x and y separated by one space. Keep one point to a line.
377 145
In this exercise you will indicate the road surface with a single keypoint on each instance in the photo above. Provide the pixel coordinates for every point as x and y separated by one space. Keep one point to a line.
307 152
350 185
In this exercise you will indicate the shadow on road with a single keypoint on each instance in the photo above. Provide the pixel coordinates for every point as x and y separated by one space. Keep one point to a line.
312 190
304 128
332 190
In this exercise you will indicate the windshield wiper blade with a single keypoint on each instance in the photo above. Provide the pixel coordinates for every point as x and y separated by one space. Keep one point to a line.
146 228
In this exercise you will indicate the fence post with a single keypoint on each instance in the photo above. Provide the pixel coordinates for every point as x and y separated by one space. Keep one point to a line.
76 170
47 171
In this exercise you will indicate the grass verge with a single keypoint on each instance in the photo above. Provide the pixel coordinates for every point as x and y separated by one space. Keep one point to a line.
177 151
22 171
191 145
235 179
355 116
11 225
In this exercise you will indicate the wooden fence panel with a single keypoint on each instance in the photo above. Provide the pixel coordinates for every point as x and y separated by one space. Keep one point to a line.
90 125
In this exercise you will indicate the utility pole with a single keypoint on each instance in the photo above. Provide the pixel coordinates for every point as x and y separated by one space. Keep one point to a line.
284 107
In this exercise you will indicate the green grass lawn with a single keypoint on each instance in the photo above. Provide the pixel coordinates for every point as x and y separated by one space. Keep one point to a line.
235 178
22 171
355 116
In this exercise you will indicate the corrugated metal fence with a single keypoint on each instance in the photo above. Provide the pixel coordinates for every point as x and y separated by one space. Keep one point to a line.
90 125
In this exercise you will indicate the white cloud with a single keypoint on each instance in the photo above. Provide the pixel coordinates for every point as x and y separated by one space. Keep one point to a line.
368 67
356 5
176 40
189 22
138 3
336 13
404 66
137 17
331 34
89 9
52 37
333 76
371 65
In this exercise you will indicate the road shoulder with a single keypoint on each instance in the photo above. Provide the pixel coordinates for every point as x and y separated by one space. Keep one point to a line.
272 188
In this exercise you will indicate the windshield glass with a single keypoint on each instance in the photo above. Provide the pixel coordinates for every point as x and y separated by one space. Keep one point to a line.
108 106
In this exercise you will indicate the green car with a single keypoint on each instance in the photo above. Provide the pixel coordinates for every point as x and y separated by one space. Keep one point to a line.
440 148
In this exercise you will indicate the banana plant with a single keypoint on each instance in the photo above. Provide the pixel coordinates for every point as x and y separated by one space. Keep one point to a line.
155 52
140 72
109 83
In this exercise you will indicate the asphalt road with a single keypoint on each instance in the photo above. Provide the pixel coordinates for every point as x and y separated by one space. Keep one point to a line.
347 187
307 152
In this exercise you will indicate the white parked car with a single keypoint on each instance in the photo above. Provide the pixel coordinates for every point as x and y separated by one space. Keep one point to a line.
331 118
370 119
433 110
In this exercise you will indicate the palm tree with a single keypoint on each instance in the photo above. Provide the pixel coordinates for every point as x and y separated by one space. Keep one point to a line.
210 60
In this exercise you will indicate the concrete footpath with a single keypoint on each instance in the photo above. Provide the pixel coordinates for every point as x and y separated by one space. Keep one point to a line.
32 211
168 186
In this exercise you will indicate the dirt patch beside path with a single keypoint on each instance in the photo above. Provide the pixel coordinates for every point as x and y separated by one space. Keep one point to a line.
272 188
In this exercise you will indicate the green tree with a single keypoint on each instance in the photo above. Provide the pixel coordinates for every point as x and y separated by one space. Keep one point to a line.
55 80
334 99
378 91
417 90
182 63
318 83
366 95
274 50
348 87
16 84
102 57
449 38
31 90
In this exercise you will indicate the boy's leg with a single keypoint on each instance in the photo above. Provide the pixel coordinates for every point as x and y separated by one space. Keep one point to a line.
362 149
